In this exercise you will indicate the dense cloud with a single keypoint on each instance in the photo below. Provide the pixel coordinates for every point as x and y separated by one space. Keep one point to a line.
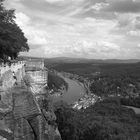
80 28
123 6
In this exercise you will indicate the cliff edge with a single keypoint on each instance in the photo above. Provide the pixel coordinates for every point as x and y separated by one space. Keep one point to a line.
26 112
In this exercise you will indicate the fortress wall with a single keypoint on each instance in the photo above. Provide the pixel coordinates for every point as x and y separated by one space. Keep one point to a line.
9 74
35 63
39 81
7 81
20 74
13 67
25 119
39 77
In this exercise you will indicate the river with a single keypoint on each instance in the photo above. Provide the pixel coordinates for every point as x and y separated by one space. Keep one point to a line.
75 91
136 110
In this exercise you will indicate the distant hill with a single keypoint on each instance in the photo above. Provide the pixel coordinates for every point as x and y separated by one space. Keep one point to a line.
84 60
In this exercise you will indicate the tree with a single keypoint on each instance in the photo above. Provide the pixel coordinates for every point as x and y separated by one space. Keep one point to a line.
106 120
12 39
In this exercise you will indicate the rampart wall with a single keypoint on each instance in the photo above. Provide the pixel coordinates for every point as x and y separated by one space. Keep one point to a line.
22 116
39 81
9 76
13 67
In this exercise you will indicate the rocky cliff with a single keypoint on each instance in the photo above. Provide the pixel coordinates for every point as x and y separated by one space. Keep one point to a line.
26 112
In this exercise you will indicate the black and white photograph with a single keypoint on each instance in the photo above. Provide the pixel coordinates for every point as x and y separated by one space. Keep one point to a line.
69 69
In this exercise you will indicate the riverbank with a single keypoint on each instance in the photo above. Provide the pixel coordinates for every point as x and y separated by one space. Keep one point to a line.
136 110
84 82
78 94
74 92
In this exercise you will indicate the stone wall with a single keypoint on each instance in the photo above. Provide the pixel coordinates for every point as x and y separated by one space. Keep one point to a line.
13 67
38 82
35 63
39 77
11 73
23 115
8 79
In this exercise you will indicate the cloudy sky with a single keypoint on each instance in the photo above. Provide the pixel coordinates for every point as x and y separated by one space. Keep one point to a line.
80 28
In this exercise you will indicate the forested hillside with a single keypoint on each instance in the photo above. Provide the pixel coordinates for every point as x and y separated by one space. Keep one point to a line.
106 120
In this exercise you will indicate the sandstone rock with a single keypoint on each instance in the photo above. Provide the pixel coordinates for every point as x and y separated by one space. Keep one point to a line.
2 138
25 105
21 115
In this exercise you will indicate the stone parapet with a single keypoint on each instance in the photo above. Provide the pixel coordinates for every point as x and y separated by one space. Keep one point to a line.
23 115
35 63
12 67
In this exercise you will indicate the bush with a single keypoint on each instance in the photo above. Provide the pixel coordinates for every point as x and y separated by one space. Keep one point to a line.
56 82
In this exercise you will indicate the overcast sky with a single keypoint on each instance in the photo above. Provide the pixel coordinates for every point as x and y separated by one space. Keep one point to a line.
80 28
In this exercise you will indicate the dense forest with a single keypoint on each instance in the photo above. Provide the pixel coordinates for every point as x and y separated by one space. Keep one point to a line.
106 120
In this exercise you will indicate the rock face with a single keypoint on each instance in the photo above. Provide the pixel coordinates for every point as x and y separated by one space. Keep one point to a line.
38 81
25 110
